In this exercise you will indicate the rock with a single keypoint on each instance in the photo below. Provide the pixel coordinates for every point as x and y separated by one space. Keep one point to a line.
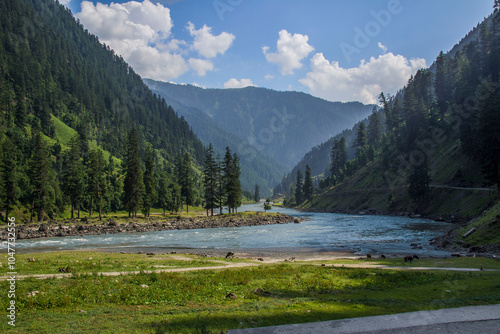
144 286
32 293
232 296
261 292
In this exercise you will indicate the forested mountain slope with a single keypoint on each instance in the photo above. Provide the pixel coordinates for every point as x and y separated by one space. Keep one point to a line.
60 87
280 125
439 153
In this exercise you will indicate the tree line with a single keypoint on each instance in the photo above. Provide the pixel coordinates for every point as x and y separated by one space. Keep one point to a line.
221 179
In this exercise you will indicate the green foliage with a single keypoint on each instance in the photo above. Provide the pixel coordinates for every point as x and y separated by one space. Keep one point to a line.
58 81
133 186
299 194
308 185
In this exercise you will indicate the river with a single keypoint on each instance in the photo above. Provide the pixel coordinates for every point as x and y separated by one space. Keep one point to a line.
321 231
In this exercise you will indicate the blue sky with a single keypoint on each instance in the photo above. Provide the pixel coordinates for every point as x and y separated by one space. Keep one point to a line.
336 50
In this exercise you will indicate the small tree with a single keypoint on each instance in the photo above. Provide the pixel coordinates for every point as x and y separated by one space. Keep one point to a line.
267 205
308 184
298 189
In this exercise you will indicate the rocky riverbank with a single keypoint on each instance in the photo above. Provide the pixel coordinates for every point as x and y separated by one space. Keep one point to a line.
74 227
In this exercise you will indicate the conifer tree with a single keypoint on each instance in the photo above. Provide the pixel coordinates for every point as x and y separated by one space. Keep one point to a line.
374 131
361 140
298 188
150 196
97 183
339 157
234 185
186 181
133 186
39 172
256 193
73 176
489 134
9 176
308 184
210 180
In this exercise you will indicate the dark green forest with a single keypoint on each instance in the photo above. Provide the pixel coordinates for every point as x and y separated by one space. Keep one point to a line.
441 131
68 108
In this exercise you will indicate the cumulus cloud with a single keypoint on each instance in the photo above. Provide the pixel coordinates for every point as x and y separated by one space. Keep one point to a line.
141 33
234 83
65 2
386 73
382 46
291 49
207 44
201 66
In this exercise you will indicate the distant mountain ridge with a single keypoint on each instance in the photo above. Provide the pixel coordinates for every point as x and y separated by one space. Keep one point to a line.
259 123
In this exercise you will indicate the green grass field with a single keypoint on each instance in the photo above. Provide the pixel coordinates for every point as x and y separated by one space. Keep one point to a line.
264 295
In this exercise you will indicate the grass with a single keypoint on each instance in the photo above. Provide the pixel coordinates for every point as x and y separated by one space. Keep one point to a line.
487 229
195 302
94 262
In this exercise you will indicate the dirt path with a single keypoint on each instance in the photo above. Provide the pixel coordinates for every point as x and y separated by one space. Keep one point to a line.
243 265
118 273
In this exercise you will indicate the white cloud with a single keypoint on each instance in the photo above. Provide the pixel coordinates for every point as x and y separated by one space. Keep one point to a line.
234 83
201 66
291 50
141 33
207 44
65 2
269 76
382 46
386 73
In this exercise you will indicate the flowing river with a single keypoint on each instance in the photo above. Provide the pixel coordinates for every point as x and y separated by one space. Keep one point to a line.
321 231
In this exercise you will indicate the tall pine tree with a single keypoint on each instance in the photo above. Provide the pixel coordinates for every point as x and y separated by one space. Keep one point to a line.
308 184
133 186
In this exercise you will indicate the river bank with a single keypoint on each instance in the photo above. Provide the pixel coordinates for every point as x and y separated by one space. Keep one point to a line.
112 226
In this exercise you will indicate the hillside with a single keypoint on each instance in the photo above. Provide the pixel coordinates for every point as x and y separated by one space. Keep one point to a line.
257 168
280 125
60 84
439 155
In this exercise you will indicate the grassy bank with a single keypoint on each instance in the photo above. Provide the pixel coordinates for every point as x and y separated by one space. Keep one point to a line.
269 294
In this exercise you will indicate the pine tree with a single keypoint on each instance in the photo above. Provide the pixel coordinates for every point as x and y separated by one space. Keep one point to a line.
39 173
489 134
9 176
234 186
419 181
298 188
150 197
374 131
133 186
210 180
97 183
186 181
360 141
442 84
256 193
164 193
308 185
338 157
73 176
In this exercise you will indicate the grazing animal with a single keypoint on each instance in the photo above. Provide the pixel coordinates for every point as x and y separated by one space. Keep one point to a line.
408 259
230 254
260 259
415 257
368 256
382 256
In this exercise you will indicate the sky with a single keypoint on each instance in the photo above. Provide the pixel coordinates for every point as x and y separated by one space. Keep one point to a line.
338 50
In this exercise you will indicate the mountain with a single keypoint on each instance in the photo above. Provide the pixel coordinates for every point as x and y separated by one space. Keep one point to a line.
439 155
58 82
269 127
